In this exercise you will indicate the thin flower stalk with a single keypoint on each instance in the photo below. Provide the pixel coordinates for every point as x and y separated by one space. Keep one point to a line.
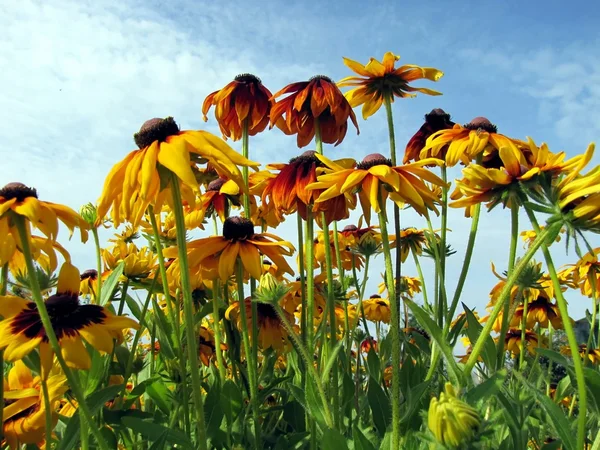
188 311
301 269
523 334
422 280
47 324
568 326
443 237
98 263
592 281
217 329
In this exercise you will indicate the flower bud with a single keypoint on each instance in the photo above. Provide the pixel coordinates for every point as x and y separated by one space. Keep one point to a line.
89 213
270 290
452 421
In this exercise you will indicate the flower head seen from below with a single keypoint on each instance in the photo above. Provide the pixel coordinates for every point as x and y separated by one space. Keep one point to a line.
287 191
143 177
513 342
220 195
374 179
21 331
271 332
139 263
24 412
238 241
377 309
378 80
243 101
585 273
206 346
435 121
452 421
316 102
16 198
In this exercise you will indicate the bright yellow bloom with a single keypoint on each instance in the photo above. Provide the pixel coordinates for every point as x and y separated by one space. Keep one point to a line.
377 309
379 80
411 239
220 195
585 274
206 345
21 331
405 183
141 180
513 343
24 412
435 121
540 311
139 263
529 236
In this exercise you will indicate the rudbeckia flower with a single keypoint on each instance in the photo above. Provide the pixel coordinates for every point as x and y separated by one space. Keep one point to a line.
411 239
539 311
271 332
21 331
288 191
378 80
88 284
409 286
593 354
24 412
464 143
16 198
435 121
348 258
244 100
138 263
514 345
403 184
377 309
219 196
317 99
363 241
206 345
238 240
140 179
585 273
529 236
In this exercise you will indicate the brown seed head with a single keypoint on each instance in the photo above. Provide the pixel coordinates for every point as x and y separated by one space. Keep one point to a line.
155 130
238 228
17 190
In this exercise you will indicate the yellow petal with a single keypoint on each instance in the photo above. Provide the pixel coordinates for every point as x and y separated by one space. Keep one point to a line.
354 178
75 353
228 259
174 156
230 187
251 259
97 337
68 280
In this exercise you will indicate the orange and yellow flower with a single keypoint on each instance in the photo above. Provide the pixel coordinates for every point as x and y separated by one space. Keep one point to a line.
381 80
514 344
220 195
377 309
243 102
435 121
312 103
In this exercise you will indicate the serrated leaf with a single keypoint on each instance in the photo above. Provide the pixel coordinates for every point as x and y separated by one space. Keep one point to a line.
380 406
314 404
331 361
109 285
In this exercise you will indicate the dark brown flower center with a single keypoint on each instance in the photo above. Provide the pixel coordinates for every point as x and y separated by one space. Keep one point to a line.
247 78
266 312
18 191
89 274
320 77
155 130
437 118
374 159
481 123
216 185
381 303
238 229
306 159
349 229
375 296
66 314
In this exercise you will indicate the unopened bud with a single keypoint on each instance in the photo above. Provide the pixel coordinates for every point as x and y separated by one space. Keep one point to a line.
89 213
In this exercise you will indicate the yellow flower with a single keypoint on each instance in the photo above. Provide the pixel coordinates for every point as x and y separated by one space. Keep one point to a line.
220 195
128 235
593 354
21 331
139 263
136 182
238 240
452 421
513 343
411 239
529 236
379 80
585 274
206 345
377 309
16 198
24 412
243 101
539 311
405 183
435 121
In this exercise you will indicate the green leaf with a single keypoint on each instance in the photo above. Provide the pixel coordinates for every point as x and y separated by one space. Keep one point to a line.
134 307
474 329
161 396
414 400
380 406
554 356
231 401
96 373
108 286
436 333
122 355
333 440
314 404
154 431
333 358
293 414
109 437
592 382
374 364
160 443
163 331
360 440
95 401
212 410
487 389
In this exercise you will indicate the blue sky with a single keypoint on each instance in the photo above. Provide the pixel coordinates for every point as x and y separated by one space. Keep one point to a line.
80 77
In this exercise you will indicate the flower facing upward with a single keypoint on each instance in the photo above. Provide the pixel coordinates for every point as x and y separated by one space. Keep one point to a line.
317 100
24 413
287 191
16 198
21 331
375 179
140 179
380 80
238 240
244 100
377 309
435 121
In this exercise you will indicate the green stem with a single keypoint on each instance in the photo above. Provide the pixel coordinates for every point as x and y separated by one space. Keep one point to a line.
85 437
308 361
188 311
592 281
360 292
421 279
98 263
443 236
72 380
250 364
245 152
466 265
394 327
124 289
217 329
342 275
503 297
310 281
301 269
523 334
48 415
568 326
